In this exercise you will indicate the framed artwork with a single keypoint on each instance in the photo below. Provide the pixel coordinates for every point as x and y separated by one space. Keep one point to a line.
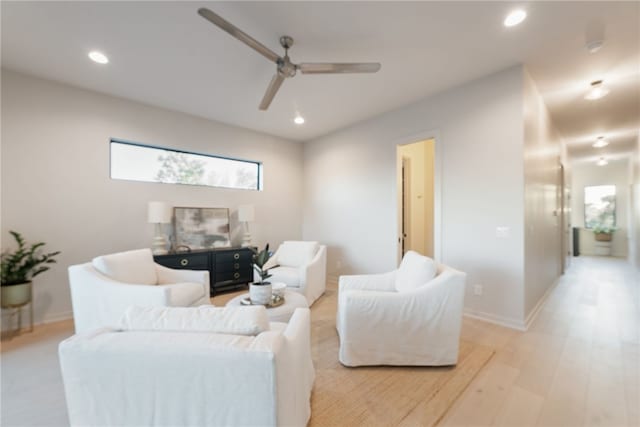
202 228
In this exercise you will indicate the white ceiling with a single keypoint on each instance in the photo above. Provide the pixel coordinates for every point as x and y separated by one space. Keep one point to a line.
164 54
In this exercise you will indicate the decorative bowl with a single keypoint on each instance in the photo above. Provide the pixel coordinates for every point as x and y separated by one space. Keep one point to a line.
278 289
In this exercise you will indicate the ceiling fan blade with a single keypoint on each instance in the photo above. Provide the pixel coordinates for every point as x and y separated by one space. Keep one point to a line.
333 68
275 84
238 33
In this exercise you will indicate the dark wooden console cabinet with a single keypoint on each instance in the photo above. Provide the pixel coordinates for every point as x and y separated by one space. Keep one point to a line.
229 268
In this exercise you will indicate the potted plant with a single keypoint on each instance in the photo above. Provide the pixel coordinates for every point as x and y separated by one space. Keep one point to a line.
19 267
603 233
260 292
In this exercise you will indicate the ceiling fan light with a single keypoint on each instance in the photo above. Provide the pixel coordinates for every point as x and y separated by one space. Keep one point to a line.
601 142
514 18
299 120
597 91
98 57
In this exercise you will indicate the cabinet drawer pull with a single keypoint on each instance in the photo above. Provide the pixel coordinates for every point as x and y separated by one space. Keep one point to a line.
236 275
236 256
184 262
236 266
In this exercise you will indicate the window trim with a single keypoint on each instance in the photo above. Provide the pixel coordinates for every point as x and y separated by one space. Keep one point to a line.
259 185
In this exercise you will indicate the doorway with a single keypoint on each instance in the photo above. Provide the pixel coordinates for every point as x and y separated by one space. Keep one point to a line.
416 178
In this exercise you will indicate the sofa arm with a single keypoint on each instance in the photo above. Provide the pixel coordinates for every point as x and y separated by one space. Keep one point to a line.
374 282
295 370
313 276
169 276
99 301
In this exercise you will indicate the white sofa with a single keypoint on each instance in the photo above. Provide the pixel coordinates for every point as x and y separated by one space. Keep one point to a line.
302 267
190 378
410 316
102 290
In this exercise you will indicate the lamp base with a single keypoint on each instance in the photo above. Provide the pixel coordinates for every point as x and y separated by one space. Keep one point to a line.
246 240
159 246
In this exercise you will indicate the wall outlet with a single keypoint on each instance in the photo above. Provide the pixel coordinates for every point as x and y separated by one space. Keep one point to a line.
477 290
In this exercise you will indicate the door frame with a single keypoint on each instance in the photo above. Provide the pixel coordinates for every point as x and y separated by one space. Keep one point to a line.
437 190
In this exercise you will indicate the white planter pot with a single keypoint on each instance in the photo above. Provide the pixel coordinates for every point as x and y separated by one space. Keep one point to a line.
260 294
16 295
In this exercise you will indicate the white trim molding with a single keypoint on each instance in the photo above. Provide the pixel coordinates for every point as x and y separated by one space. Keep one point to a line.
496 320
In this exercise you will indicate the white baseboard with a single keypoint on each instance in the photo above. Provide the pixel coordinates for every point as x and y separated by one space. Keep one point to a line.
497 320
57 317
513 323
534 313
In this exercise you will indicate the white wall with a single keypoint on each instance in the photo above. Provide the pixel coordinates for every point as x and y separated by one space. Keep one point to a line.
543 235
56 186
634 232
587 174
350 189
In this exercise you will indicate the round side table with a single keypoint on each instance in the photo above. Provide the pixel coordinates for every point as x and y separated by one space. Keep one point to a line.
281 313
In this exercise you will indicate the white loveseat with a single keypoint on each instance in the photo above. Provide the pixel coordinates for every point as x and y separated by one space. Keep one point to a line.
139 377
410 316
102 290
302 267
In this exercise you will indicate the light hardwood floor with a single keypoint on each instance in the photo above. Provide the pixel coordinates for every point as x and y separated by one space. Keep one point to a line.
578 364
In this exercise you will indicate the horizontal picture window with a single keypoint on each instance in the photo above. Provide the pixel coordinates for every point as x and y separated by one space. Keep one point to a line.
138 162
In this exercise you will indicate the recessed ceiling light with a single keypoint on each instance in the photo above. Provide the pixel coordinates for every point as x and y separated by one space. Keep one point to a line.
602 162
298 120
600 142
98 57
597 91
514 18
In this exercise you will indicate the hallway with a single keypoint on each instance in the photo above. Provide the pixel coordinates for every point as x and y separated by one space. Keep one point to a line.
578 364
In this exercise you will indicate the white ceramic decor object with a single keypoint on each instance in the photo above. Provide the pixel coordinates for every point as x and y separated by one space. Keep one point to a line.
260 294
278 288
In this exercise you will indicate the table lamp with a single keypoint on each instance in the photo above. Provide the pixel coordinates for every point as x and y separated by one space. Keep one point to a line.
159 213
246 214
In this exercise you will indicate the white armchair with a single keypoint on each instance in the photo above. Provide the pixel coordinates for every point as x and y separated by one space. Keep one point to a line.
163 373
411 316
102 290
302 267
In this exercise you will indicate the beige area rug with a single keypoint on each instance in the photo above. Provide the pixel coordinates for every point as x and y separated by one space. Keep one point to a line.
381 396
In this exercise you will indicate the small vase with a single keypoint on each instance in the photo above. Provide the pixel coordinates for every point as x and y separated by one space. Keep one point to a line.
260 293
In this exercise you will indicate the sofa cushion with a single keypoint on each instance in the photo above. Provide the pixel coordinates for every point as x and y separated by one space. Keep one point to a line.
288 275
184 294
415 270
250 320
135 267
296 254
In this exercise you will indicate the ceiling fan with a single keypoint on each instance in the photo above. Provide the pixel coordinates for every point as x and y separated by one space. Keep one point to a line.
284 67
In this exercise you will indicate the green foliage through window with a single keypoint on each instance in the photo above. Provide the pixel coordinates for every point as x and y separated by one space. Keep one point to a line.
138 162
600 206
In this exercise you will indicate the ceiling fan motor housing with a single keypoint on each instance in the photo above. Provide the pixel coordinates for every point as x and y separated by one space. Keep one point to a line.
286 68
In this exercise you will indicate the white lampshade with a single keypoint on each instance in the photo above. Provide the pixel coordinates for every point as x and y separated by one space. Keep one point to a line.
246 213
158 213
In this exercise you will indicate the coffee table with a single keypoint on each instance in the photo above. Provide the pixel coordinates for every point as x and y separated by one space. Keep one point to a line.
281 313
